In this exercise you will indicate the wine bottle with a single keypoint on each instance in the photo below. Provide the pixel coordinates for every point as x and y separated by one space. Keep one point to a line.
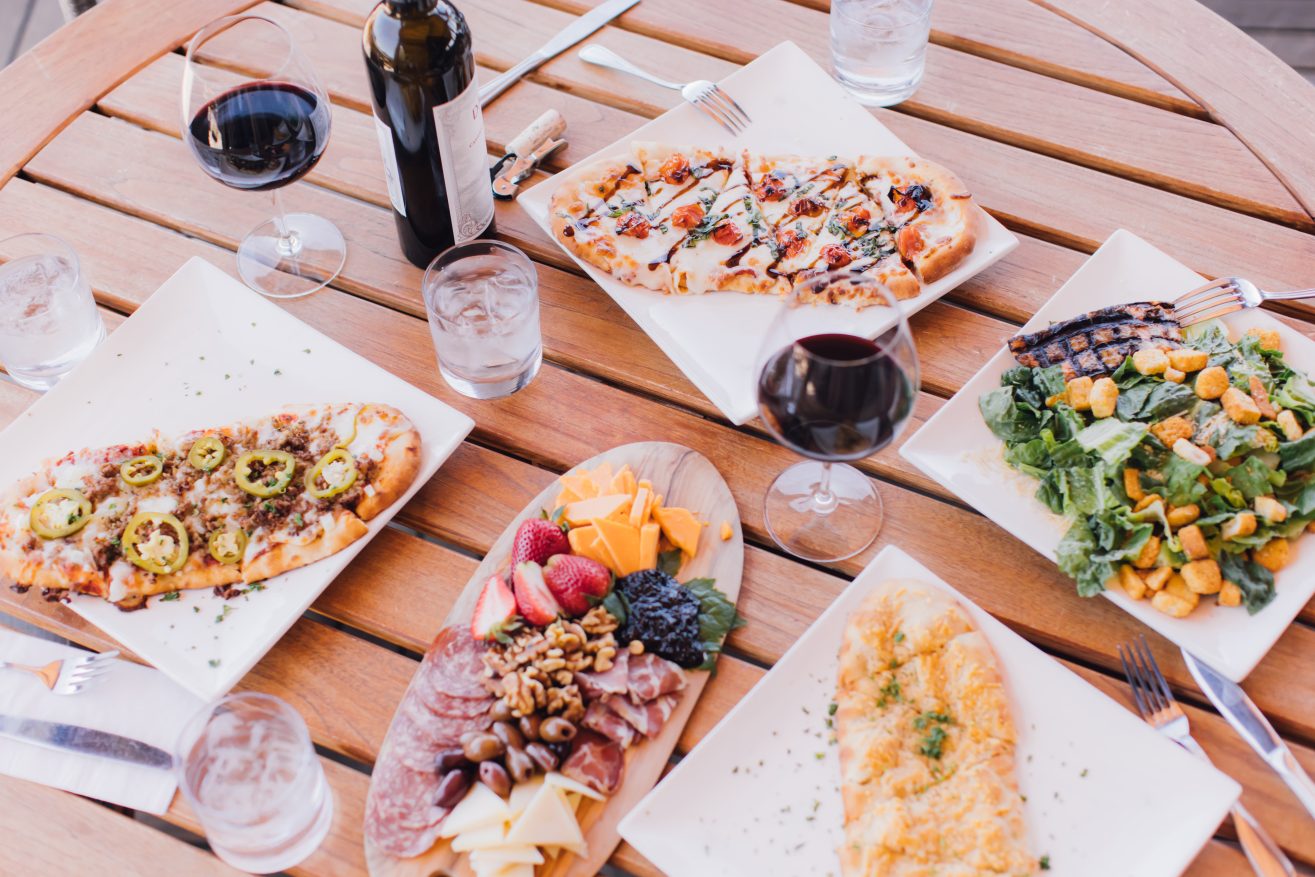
431 129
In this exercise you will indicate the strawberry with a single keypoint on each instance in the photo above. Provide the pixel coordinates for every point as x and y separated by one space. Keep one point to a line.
574 580
538 539
533 599
494 610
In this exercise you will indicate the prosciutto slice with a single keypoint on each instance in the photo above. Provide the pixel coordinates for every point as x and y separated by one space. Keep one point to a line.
601 719
596 686
647 718
595 761
650 676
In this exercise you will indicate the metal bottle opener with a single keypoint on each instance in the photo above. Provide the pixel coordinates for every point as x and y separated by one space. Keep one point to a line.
526 151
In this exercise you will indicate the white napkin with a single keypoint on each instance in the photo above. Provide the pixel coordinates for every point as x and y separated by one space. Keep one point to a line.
130 700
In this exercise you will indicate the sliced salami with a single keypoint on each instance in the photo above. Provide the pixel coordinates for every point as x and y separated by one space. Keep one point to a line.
457 662
400 815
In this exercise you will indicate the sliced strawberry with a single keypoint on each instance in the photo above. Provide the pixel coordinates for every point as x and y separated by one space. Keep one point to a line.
538 539
533 599
577 582
494 610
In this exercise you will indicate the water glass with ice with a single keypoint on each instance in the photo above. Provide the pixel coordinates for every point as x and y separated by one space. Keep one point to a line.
878 47
247 768
482 299
48 318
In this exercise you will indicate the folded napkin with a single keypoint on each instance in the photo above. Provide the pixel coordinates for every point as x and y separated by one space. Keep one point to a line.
130 700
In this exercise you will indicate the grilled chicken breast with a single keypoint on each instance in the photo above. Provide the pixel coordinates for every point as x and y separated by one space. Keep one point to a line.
1097 342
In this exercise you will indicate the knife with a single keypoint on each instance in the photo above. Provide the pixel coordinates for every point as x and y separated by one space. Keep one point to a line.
88 741
567 37
1234 705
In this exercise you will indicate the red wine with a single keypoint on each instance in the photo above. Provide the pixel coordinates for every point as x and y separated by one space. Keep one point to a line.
260 135
834 397
431 130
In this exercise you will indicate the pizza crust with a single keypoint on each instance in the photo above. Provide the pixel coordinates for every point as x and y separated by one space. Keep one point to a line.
338 530
393 475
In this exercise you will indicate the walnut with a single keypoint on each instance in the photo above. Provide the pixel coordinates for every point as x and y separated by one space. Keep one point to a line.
603 660
636 647
599 621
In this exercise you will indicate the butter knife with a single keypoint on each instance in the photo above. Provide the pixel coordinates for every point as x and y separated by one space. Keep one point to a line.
88 741
1234 705
567 37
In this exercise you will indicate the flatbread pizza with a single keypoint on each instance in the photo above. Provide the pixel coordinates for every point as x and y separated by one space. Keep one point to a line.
209 508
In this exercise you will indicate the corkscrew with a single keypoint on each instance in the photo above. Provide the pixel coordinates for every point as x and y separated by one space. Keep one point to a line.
526 151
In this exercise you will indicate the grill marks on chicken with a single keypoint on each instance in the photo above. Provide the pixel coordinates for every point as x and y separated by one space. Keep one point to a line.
1097 342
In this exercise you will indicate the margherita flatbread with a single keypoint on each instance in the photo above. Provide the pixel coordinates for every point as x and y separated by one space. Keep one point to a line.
214 507
926 743
688 221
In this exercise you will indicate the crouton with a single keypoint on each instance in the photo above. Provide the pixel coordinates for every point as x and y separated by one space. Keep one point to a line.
1241 408
1131 582
1147 501
1240 525
1182 515
1176 600
1230 595
1274 554
1150 361
1260 396
1132 484
1157 578
1171 429
1211 382
1191 453
1202 576
1268 338
1193 542
1150 552
1271 509
1079 393
1104 396
1174 376
1188 360
1291 427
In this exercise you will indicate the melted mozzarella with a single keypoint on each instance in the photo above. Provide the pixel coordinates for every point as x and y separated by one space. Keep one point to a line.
159 548
160 504
336 473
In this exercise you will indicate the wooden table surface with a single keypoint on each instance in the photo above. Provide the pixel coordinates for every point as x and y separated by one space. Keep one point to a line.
1066 121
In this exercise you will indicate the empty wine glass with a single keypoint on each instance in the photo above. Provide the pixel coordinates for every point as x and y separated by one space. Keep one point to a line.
832 397
262 134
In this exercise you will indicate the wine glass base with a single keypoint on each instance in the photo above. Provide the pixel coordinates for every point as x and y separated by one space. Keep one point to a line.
273 269
818 530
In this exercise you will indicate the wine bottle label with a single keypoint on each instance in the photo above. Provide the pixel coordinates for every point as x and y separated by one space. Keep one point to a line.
390 165
464 156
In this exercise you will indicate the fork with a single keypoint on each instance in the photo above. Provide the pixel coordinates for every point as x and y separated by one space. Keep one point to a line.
1224 296
707 96
1161 711
69 676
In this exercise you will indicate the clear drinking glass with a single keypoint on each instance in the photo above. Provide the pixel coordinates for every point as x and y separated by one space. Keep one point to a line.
48 318
260 133
831 397
482 299
247 768
878 47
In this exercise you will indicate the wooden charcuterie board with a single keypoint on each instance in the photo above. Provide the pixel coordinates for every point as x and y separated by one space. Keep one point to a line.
687 479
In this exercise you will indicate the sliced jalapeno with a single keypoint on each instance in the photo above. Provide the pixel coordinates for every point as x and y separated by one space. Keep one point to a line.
207 452
59 512
156 542
334 473
276 471
227 546
351 438
141 470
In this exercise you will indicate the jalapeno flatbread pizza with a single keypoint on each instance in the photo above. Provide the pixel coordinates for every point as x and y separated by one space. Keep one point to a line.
213 507
686 220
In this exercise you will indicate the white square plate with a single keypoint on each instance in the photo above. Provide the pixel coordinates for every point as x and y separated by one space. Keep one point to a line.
957 449
204 350
796 107
760 795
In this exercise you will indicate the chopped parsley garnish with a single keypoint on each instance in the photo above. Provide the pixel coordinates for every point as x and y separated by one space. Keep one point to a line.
223 613
296 519
934 740
267 505
831 708
833 225
899 636
890 691
1045 862
213 662
169 597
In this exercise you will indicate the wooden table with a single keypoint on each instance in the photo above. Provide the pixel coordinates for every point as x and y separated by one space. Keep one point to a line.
1065 129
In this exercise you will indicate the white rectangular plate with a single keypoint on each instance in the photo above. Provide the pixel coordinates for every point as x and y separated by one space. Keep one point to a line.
760 795
205 350
796 107
957 449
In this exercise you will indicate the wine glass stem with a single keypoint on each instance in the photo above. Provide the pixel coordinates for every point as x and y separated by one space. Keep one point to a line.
289 245
824 500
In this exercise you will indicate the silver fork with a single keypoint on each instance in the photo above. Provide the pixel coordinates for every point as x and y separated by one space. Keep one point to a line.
69 676
1224 296
1158 707
705 95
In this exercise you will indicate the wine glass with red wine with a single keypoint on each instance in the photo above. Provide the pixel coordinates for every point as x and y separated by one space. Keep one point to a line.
832 397
260 133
